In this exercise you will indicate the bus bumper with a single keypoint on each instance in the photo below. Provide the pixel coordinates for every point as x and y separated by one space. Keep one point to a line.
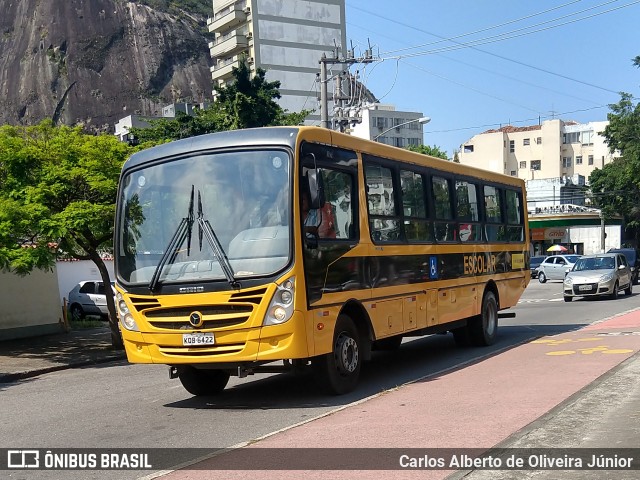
259 344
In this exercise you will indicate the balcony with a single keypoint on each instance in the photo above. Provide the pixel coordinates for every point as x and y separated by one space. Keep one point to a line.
228 44
229 18
223 69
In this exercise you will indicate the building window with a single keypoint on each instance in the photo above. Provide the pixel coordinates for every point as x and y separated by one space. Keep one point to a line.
590 159
587 137
566 162
536 164
539 140
573 137
413 141
525 141
512 146
468 149
579 160
513 173
523 164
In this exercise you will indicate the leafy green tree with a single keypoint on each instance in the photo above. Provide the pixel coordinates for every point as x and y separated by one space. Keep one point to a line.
616 187
427 150
58 191
247 102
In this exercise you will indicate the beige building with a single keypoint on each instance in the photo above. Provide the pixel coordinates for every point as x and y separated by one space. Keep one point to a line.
554 149
284 37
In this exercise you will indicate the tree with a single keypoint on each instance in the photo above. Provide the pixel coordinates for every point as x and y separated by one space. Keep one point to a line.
247 102
616 187
58 191
427 150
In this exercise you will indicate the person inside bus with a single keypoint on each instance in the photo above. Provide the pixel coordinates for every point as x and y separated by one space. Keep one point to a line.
317 221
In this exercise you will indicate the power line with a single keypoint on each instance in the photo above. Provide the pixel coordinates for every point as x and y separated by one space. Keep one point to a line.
463 45
485 29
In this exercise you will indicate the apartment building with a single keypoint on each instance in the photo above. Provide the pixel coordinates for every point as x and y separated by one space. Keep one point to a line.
385 124
553 149
284 37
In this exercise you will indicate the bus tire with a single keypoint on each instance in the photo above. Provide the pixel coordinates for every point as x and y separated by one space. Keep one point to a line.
483 329
203 382
337 372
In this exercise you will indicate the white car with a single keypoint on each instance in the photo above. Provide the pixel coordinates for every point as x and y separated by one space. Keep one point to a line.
88 298
601 274
555 267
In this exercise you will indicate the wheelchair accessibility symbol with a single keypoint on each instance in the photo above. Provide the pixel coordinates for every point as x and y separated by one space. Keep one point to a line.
433 268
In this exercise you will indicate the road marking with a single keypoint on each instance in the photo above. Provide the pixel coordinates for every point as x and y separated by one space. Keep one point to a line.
589 351
604 349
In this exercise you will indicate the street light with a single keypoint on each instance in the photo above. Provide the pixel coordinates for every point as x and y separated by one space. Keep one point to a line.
421 120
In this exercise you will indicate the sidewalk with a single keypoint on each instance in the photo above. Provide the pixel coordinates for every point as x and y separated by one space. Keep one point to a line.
29 357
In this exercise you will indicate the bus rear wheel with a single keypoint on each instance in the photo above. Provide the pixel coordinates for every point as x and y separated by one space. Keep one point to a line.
483 329
338 371
200 382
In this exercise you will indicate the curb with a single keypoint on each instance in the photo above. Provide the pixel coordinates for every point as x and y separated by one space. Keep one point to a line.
14 377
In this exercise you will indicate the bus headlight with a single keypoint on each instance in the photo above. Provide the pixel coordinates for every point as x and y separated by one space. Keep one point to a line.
281 307
129 323
124 314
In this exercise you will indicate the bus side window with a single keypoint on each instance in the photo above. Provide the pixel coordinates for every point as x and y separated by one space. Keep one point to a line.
494 227
417 228
384 222
444 225
338 193
467 212
515 229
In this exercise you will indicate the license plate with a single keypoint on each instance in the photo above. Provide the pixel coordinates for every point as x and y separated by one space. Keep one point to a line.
195 339
584 288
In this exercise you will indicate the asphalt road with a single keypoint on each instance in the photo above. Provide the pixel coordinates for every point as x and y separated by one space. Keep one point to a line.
134 406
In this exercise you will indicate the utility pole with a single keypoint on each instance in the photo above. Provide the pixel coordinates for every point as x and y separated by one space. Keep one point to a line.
342 120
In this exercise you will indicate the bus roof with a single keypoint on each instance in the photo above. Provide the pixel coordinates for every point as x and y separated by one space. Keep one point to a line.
288 136
276 136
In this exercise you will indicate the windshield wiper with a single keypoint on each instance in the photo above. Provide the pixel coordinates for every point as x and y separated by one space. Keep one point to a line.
216 246
183 231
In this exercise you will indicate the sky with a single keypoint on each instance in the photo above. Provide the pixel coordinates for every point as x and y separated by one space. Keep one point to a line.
473 65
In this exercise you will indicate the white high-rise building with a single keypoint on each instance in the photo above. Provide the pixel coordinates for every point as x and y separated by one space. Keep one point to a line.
286 38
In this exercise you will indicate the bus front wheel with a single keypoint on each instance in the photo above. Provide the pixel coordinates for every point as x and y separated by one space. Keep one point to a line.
203 382
339 370
483 329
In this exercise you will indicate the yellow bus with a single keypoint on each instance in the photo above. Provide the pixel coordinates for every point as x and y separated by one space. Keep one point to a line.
274 248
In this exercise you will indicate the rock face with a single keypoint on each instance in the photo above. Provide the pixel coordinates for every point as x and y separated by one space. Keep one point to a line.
95 61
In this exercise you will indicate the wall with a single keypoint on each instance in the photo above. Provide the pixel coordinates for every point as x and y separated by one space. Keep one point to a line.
70 273
29 305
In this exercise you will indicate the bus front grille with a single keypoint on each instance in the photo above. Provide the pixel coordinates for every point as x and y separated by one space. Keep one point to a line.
214 316
185 325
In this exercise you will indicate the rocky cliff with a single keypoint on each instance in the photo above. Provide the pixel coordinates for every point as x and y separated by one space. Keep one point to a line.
96 61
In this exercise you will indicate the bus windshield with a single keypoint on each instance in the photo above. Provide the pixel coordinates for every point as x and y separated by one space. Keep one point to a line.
207 217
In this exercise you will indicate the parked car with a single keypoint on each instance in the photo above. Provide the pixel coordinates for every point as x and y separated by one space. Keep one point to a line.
88 298
603 274
632 258
555 267
534 263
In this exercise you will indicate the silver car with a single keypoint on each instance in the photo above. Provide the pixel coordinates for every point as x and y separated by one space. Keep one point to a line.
603 274
555 267
88 298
